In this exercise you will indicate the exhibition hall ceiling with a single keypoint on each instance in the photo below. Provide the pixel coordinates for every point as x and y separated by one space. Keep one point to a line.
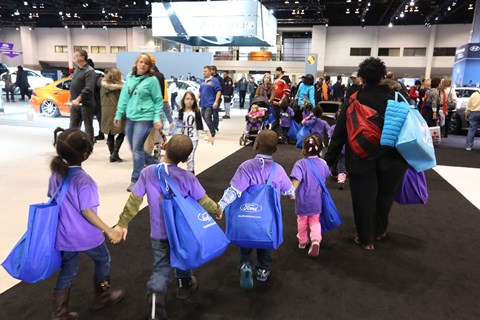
289 13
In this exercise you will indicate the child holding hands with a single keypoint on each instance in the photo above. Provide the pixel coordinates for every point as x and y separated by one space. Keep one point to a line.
178 150
308 204
79 227
250 172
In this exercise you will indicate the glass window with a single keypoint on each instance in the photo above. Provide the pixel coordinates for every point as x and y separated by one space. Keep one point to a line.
61 49
414 52
115 49
444 52
75 48
65 85
360 51
388 52
98 49
464 93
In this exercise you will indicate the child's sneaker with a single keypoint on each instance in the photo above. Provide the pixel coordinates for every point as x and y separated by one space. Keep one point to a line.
342 177
246 279
302 245
314 249
262 275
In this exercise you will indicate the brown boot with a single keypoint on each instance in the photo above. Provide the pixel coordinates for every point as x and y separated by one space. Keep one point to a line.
105 297
60 306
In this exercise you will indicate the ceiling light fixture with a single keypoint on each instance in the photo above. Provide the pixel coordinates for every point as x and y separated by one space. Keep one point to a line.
287 2
17 13
348 11
470 6
412 3
390 25
25 3
103 10
66 27
60 13
402 15
83 26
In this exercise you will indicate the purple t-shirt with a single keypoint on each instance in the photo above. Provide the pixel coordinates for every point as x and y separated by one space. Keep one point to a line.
149 184
256 171
320 126
286 117
75 232
308 196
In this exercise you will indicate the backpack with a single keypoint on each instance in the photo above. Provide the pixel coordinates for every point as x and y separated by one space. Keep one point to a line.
364 129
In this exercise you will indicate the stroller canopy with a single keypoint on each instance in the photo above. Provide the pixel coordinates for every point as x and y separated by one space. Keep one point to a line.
260 101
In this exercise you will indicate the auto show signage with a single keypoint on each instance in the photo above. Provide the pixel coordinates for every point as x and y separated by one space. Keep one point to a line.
466 68
215 23
7 49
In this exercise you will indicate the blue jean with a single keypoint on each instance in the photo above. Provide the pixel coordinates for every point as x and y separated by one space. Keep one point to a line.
264 258
216 120
474 122
168 112
207 115
137 132
161 275
69 269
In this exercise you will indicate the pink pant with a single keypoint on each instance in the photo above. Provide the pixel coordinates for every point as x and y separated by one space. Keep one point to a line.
313 222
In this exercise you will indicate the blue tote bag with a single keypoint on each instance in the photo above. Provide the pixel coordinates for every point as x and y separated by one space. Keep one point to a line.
34 257
413 189
255 219
194 237
415 142
302 133
292 132
330 217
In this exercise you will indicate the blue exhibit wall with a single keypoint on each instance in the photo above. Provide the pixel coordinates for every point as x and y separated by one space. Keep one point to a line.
466 67
169 63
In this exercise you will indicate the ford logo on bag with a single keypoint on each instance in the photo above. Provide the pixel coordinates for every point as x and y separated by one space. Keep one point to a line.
203 216
251 207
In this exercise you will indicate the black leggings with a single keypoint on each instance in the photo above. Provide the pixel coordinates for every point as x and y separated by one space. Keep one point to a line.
372 196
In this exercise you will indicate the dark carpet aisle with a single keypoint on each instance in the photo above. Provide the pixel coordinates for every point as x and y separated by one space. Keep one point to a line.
427 268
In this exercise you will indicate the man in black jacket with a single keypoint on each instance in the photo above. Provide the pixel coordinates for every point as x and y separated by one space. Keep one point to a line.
227 93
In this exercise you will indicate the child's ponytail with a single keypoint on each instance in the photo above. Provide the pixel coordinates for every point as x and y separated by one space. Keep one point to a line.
312 145
59 166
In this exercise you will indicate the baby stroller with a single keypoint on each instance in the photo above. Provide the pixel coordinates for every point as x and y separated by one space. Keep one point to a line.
251 130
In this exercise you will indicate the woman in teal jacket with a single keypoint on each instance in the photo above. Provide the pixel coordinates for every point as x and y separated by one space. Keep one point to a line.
141 102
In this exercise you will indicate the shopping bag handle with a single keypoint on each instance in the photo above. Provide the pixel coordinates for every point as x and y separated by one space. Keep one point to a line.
63 187
401 95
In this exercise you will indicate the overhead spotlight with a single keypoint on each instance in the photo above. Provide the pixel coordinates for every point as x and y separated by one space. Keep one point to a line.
17 13
326 25
369 4
25 3
293 11
103 10
412 3
105 28
390 25
17 28
147 3
402 15
60 12
66 27
134 3
287 2
348 11
416 9
470 6
449 8
348 1
454 4
436 18
271 11
303 12
357 11
296 2
30 28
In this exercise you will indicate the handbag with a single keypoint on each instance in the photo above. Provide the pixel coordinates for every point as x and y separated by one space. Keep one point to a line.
415 142
194 237
293 130
413 189
302 133
436 134
329 217
34 257
255 219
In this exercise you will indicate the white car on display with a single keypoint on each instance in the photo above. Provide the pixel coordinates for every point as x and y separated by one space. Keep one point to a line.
458 124
35 79
182 87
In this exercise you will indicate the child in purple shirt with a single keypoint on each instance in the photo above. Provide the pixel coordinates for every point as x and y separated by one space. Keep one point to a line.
178 150
286 115
308 202
79 227
320 126
250 172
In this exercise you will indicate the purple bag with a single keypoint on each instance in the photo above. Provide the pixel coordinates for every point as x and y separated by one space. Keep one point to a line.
413 189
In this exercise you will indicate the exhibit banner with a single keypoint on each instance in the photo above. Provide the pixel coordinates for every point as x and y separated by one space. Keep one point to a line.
466 68
215 23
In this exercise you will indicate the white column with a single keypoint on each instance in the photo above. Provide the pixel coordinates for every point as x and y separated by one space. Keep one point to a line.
475 33
68 34
429 53
29 47
319 41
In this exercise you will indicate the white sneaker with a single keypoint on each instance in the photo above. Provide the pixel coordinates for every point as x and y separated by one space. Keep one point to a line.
468 149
